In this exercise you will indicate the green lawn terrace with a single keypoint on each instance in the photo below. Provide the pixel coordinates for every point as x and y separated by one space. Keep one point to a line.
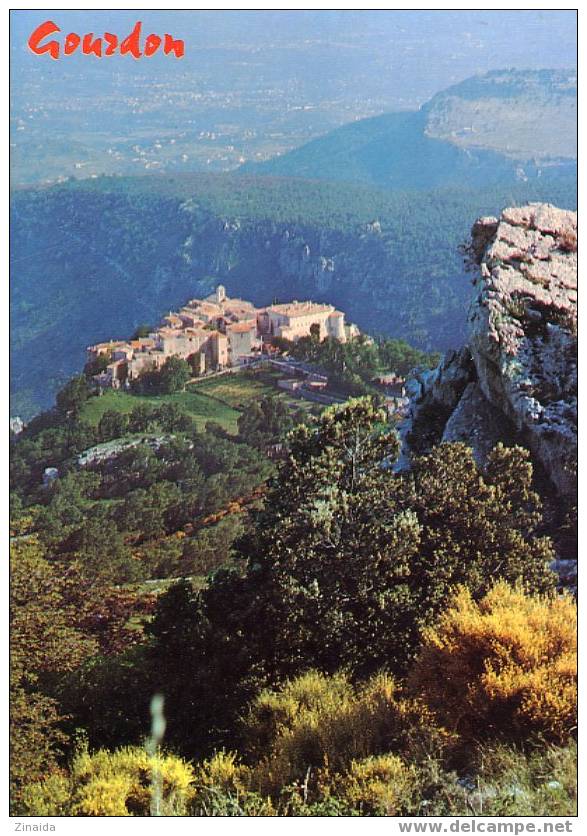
220 399
239 389
200 408
236 390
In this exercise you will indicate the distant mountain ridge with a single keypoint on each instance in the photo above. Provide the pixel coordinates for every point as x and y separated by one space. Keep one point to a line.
538 121
504 125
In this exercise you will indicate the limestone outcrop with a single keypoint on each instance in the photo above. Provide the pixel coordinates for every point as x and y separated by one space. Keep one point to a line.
516 379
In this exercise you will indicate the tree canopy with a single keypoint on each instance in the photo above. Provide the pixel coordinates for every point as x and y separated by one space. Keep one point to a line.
346 563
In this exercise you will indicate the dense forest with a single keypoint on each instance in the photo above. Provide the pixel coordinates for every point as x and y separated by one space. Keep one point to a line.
353 366
93 259
295 649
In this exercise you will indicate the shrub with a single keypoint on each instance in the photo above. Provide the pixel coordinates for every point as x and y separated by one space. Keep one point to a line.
437 791
112 784
503 667
221 789
290 730
499 780
379 785
326 807
216 802
49 797
511 783
222 771
566 240
316 726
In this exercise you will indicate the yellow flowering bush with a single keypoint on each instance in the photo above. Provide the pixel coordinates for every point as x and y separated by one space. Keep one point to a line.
113 784
378 785
49 797
503 666
222 788
316 725
223 771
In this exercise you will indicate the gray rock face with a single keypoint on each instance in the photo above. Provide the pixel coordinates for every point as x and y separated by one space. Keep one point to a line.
445 384
478 423
434 396
518 373
522 331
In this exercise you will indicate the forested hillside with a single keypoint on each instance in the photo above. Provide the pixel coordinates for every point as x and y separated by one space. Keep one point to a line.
293 415
322 632
92 259
307 673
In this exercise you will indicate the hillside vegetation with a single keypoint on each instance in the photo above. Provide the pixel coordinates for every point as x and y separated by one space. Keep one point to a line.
295 646
92 259
194 403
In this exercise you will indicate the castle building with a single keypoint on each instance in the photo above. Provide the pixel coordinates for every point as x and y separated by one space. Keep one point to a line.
243 340
295 319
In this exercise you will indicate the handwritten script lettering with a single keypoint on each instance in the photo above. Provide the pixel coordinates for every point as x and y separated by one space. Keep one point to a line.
47 40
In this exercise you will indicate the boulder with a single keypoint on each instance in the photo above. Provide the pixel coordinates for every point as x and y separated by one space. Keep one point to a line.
478 423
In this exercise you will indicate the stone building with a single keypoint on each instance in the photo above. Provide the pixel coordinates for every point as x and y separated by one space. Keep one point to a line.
295 319
213 334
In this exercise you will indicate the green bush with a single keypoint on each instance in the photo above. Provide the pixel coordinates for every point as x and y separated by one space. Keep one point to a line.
377 785
499 780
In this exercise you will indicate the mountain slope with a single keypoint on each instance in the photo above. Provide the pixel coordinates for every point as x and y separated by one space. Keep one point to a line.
505 125
92 259
521 114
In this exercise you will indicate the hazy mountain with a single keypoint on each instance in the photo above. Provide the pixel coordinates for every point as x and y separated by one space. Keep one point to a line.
251 85
506 124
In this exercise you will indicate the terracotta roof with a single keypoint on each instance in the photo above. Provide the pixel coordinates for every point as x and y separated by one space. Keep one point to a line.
207 306
170 332
238 305
241 327
107 344
196 332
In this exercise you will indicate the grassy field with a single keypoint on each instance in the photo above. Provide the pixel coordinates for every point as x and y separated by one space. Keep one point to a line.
239 390
235 390
197 404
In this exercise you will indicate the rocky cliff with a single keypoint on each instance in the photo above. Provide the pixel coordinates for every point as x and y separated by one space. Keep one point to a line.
516 378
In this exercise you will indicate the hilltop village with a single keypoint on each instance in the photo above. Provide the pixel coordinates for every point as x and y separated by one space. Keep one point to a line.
214 334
